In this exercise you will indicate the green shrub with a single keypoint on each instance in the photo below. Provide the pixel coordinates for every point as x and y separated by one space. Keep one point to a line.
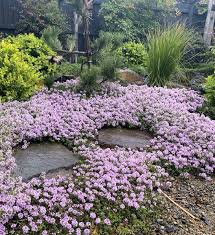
200 58
36 51
139 69
210 90
88 80
18 78
69 69
209 106
134 18
25 65
165 51
35 16
133 54
108 68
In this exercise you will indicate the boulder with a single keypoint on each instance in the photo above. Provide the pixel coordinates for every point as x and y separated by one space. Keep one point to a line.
127 75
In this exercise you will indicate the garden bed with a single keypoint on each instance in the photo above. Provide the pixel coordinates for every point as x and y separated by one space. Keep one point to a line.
113 189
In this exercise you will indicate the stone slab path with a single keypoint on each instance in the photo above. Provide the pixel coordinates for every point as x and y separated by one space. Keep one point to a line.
129 138
43 157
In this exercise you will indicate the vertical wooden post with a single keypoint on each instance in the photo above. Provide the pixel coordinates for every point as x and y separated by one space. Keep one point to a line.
87 7
191 13
209 25
76 27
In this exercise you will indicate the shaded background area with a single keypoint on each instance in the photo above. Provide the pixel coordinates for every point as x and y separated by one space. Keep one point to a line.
9 16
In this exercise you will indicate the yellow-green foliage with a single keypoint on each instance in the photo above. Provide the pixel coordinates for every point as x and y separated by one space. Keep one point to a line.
18 79
133 53
37 52
210 89
24 65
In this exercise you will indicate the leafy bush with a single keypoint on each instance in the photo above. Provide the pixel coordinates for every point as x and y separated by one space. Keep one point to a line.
200 58
24 66
133 53
35 16
134 18
108 39
36 51
18 78
210 96
108 68
88 80
165 50
141 70
69 69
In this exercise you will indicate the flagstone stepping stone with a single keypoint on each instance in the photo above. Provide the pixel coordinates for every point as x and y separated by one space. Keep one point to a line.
43 157
129 138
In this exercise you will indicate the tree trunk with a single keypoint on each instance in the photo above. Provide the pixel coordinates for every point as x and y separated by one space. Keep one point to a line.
209 25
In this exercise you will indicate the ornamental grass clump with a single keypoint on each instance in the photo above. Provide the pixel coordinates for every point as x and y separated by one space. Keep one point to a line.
165 50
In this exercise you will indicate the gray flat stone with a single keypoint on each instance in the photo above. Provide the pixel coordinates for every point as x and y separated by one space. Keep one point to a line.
122 137
43 157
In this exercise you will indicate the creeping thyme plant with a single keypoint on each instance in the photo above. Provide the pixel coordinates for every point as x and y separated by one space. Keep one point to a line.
111 191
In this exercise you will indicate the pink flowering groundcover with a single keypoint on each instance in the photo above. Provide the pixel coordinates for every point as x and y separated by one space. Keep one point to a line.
109 181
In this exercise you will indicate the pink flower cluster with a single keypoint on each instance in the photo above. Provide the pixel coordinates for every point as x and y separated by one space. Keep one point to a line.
183 139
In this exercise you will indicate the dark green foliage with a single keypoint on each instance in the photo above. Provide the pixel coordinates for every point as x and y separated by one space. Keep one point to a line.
209 87
63 69
89 80
69 69
108 68
134 18
37 15
107 42
200 58
139 69
105 53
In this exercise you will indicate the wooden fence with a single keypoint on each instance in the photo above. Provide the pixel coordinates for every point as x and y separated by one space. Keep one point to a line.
8 15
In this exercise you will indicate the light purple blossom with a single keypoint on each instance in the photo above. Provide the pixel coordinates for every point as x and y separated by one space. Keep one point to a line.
182 138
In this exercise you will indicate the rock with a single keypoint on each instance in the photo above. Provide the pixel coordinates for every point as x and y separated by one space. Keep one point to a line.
43 157
197 81
122 137
205 220
170 228
159 221
127 75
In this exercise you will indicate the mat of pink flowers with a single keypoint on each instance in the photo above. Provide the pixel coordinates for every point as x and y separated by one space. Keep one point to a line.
183 139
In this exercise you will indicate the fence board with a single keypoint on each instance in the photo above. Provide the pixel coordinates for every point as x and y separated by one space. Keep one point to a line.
8 14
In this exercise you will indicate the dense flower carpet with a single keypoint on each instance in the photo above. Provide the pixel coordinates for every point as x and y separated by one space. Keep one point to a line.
121 178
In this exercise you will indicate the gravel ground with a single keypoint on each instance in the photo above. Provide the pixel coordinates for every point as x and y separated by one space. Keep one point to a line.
196 196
